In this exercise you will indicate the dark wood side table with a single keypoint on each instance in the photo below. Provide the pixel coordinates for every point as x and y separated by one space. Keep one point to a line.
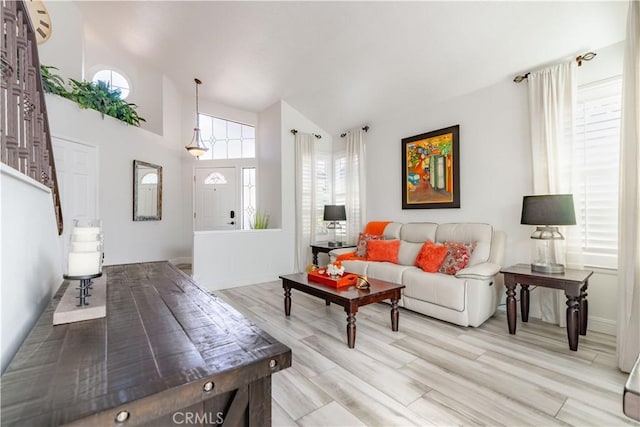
324 247
573 282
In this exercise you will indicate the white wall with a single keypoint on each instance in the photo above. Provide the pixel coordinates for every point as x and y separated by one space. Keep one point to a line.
269 153
495 165
31 262
495 169
64 49
118 144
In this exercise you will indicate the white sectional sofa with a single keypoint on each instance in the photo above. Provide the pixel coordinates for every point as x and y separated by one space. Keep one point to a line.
466 299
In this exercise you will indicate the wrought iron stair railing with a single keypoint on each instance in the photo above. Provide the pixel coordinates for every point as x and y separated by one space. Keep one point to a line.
24 125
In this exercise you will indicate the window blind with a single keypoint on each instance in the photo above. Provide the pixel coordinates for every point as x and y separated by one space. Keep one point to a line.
595 154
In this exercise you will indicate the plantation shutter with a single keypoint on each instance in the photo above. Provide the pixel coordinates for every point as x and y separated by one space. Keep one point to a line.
596 155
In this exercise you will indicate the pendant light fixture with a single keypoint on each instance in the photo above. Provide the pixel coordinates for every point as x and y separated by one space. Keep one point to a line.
197 147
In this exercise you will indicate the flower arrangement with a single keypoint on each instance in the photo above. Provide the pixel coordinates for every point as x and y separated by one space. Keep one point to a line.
335 269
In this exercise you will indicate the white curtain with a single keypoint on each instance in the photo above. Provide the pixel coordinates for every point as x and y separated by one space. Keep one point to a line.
551 110
355 184
628 336
305 198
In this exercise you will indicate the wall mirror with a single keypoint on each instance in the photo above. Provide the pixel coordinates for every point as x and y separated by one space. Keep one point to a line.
147 191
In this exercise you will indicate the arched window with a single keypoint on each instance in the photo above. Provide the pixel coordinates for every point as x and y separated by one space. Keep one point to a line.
215 178
114 80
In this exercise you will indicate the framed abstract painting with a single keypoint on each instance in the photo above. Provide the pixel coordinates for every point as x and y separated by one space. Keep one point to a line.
430 170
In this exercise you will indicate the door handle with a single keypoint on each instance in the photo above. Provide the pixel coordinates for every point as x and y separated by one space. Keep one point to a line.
231 223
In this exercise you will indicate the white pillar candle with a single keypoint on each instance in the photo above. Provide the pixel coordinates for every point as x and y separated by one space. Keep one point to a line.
86 230
90 246
83 263
85 238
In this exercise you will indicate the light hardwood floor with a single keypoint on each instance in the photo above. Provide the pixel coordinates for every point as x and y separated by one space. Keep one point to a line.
430 372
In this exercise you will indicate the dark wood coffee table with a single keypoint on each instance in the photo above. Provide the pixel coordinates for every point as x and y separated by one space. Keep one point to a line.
351 298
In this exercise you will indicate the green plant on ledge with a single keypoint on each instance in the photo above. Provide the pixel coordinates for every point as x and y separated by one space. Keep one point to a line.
261 221
97 96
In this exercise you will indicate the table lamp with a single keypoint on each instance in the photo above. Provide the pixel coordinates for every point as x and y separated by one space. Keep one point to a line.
547 212
333 214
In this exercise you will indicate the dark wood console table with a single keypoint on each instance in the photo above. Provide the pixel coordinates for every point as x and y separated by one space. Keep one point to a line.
573 282
167 353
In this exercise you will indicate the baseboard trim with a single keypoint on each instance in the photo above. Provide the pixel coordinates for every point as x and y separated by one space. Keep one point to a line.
605 326
181 260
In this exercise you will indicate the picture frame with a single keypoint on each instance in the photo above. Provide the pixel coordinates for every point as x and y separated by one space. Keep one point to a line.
431 169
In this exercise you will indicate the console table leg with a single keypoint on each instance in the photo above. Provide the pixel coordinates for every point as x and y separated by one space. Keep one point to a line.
572 321
327 302
584 309
351 330
287 300
524 302
395 315
510 284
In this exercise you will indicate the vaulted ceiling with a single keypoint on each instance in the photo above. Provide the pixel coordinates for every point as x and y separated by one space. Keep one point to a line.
343 64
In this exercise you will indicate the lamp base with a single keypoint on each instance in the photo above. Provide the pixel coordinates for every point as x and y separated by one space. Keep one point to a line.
547 268
334 244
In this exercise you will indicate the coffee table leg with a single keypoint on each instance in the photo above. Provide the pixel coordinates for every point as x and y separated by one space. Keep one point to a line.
287 300
351 330
510 284
395 314
572 321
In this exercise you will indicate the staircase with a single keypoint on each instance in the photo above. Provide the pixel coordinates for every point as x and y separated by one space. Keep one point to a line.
24 126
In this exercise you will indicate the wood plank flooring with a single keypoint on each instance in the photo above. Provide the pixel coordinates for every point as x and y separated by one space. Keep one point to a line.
430 372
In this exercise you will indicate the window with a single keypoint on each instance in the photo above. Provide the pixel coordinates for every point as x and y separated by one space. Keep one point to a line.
248 197
323 192
114 80
596 154
227 139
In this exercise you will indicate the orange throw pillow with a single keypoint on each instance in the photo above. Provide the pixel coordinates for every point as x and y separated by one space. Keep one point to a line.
431 256
383 250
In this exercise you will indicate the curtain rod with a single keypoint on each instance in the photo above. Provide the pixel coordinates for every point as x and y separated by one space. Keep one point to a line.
586 57
364 128
295 131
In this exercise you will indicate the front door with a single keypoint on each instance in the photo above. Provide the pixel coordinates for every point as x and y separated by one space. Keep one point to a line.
215 199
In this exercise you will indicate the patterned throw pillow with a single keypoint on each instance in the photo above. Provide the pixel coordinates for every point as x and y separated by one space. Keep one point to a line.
361 250
383 250
458 255
431 256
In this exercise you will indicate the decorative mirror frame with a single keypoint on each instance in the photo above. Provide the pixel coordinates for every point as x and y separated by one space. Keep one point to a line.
136 169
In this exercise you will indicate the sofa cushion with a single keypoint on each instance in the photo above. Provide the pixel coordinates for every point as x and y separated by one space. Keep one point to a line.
436 288
392 231
457 256
419 232
387 271
363 238
478 233
431 256
408 252
383 250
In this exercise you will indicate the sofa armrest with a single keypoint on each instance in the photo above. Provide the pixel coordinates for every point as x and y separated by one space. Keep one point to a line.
482 271
333 254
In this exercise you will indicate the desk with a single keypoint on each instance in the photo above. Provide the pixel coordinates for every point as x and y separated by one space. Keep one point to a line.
573 282
324 247
167 351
